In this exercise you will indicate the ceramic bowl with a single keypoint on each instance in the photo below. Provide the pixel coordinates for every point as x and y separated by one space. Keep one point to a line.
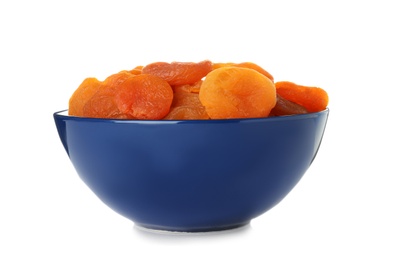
192 176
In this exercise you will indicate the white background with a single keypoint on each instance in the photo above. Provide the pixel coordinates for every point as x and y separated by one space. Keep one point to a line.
343 208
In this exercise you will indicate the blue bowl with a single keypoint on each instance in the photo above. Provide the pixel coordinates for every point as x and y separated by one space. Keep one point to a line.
191 176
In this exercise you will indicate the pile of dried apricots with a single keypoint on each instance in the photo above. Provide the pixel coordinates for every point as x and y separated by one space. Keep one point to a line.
194 90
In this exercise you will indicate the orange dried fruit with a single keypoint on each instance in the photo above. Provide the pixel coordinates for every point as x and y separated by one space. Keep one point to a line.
137 70
189 88
144 96
235 92
249 65
186 106
116 79
186 113
179 73
103 105
314 99
82 94
285 107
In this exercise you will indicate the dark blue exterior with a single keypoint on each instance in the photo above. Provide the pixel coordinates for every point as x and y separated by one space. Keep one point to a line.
192 175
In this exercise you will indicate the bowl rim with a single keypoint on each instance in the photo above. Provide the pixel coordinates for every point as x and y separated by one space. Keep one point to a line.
61 114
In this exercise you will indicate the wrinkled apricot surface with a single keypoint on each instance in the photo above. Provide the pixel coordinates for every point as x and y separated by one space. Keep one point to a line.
249 65
179 73
284 107
144 96
116 79
195 88
314 99
102 103
234 92
137 70
186 105
82 94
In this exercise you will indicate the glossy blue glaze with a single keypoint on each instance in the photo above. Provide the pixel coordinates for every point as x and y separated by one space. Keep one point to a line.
192 175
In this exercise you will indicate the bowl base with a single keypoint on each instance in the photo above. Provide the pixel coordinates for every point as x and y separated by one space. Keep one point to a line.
187 231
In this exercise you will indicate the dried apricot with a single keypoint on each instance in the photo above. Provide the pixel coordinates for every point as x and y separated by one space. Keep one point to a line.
137 70
249 65
234 92
186 113
144 96
116 79
102 104
82 94
314 99
186 105
179 73
189 88
285 107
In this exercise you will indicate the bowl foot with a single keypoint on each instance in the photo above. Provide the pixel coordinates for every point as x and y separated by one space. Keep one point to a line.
181 231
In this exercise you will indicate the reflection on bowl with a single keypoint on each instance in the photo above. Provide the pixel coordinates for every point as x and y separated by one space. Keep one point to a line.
189 176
